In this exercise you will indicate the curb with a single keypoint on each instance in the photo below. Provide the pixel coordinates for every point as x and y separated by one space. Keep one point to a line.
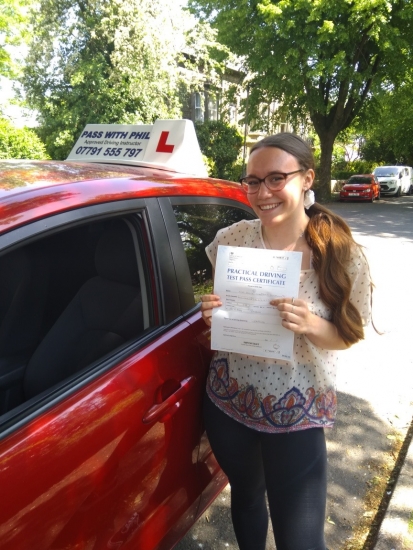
396 530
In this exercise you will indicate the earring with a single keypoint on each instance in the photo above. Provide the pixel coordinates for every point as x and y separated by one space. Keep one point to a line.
309 198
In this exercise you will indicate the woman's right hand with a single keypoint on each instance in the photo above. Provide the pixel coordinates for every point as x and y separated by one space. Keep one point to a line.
208 302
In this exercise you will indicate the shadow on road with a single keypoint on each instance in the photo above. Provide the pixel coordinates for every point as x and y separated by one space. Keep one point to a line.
357 446
384 223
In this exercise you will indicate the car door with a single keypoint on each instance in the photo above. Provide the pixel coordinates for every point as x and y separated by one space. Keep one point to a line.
192 224
107 457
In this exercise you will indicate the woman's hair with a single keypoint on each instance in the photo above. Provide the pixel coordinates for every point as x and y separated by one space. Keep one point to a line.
331 242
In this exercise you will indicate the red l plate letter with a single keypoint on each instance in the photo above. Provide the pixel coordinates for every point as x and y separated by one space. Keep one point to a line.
163 147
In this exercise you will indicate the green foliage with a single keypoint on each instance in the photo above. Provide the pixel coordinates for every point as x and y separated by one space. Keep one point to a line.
346 159
19 143
236 170
343 171
200 289
12 31
389 132
322 60
94 61
378 148
198 226
210 164
221 143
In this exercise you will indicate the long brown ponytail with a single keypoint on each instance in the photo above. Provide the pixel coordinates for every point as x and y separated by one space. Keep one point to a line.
331 242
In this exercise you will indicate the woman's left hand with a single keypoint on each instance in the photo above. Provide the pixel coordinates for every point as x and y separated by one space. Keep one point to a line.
297 317
295 314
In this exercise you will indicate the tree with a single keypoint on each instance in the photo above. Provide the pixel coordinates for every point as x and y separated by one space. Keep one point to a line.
321 59
221 143
389 131
104 61
19 143
12 25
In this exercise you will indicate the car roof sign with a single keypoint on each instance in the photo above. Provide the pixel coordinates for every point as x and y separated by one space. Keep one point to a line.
167 145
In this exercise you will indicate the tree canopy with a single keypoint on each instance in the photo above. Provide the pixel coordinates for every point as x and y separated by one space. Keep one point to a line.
19 143
322 60
221 143
13 17
388 135
104 61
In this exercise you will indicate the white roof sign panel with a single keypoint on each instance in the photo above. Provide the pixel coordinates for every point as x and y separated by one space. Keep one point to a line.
167 144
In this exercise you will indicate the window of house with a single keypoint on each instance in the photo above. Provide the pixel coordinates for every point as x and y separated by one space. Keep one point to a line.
212 107
232 114
198 108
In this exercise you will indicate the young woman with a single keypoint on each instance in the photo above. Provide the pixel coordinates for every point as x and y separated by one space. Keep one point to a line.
265 419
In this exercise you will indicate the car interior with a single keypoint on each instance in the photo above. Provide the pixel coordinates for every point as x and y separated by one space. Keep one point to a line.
361 180
67 300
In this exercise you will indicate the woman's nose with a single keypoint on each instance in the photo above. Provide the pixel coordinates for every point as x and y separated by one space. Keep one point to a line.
263 191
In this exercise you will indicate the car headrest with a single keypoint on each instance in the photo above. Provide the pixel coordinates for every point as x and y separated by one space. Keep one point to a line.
115 256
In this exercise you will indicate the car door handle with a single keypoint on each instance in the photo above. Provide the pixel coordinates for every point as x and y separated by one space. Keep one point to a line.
162 411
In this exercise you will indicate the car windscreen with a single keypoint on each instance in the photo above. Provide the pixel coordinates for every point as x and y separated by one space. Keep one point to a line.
358 180
385 171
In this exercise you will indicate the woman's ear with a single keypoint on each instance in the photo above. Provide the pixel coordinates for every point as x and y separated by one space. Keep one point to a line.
308 179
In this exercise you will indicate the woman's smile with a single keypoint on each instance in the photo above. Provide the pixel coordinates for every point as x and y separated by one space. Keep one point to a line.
269 206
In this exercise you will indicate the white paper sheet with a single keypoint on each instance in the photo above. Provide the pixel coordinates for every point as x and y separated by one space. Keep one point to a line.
246 279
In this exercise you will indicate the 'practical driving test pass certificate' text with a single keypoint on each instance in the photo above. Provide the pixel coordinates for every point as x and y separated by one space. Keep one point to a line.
246 279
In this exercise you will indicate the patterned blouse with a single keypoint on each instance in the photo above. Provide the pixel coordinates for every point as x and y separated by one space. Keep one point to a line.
276 395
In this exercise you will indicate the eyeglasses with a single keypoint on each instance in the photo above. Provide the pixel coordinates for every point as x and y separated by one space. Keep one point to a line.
276 181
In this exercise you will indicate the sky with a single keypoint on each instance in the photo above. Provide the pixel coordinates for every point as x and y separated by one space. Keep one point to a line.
20 117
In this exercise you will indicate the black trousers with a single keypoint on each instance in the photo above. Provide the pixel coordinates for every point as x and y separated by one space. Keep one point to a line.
290 467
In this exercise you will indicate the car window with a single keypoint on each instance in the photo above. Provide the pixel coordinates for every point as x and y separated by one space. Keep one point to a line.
198 224
360 180
385 171
69 299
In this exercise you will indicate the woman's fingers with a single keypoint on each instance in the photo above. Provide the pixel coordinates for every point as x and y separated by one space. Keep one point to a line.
287 305
293 313
208 303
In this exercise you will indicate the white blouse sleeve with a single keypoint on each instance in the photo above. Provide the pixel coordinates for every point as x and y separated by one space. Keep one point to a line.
361 290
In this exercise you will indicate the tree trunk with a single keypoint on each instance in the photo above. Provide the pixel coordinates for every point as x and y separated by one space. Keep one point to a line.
323 176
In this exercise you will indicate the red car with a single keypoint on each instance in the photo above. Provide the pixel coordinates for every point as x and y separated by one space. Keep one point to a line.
103 351
361 187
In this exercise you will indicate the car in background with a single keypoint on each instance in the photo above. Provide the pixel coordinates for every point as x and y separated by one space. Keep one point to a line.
103 350
395 180
361 187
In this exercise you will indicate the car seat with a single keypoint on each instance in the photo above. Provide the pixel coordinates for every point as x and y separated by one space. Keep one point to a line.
105 313
24 278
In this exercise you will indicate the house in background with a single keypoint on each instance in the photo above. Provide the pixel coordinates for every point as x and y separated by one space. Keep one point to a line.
209 100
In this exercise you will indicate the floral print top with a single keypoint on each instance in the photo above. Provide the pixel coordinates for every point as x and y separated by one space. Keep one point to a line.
276 395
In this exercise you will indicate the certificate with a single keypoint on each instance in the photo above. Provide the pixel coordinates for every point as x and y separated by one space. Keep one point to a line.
246 279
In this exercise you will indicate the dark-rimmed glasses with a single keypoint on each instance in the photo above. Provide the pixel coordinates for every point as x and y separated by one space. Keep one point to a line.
275 181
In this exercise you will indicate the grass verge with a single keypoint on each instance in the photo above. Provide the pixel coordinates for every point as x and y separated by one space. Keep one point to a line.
378 495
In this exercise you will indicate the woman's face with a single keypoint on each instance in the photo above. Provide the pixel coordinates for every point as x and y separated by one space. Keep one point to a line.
275 207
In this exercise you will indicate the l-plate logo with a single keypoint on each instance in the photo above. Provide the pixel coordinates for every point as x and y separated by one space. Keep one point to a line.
164 147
